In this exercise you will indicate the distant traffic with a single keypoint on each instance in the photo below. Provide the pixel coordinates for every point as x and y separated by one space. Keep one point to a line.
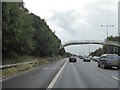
104 61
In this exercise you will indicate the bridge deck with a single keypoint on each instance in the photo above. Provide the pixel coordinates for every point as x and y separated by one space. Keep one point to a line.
101 42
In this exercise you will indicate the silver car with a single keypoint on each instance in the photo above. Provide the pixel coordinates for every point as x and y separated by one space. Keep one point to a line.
109 60
87 59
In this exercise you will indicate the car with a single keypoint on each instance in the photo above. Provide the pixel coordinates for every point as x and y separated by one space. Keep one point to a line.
72 59
109 61
96 58
80 57
86 59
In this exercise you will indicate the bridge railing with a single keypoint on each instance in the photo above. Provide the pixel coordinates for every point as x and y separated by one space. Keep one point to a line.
114 43
74 41
99 41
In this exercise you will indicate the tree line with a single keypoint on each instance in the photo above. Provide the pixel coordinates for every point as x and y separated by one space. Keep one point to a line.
24 33
108 49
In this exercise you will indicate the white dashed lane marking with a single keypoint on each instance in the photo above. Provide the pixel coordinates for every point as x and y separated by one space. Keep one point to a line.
116 78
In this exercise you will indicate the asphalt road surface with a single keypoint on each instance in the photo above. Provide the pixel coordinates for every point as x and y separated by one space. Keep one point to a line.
38 78
65 74
86 75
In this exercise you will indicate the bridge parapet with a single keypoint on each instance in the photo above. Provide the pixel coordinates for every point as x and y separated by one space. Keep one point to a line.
102 42
83 41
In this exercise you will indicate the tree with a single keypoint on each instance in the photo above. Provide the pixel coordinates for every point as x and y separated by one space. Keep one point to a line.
16 31
47 43
111 49
26 34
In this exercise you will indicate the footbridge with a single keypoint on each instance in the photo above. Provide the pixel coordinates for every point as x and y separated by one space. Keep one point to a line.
77 42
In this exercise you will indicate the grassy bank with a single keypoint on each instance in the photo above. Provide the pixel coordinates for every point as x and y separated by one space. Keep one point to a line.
7 72
18 60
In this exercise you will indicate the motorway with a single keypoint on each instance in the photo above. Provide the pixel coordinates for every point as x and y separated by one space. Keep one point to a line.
63 74
86 75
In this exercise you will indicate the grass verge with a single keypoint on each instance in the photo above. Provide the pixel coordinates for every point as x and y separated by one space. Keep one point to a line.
8 72
18 60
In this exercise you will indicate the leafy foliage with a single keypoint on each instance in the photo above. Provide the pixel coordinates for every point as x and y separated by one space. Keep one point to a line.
25 33
17 32
108 49
47 42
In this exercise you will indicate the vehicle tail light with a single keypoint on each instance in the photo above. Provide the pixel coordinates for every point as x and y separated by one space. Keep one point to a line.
107 61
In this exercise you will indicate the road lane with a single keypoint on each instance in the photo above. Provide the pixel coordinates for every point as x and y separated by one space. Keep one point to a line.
109 71
74 75
56 77
38 78
86 75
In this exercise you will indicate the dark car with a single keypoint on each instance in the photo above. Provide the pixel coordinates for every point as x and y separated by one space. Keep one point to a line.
80 57
87 59
72 59
109 60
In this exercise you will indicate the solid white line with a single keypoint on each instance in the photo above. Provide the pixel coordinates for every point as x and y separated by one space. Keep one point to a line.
56 77
115 78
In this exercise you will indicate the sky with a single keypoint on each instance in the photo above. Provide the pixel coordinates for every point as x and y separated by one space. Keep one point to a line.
78 20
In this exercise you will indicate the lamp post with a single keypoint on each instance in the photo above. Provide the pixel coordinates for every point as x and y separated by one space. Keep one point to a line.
89 49
107 26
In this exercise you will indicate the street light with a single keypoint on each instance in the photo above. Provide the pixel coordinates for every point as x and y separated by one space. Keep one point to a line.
89 49
107 26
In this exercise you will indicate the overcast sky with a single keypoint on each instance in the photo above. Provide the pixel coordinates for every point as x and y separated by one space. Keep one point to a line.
77 19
